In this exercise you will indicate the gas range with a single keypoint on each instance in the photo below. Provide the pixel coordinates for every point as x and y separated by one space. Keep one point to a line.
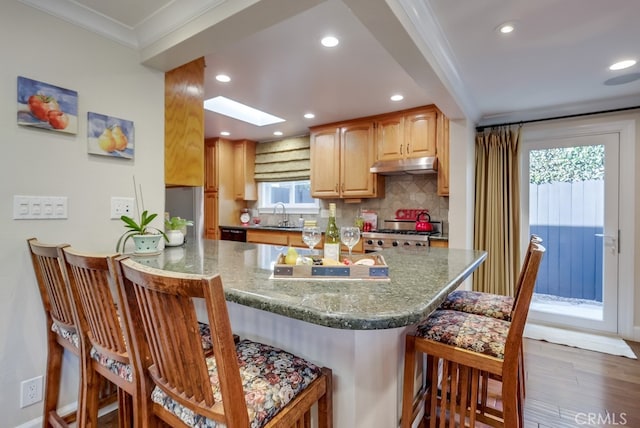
399 233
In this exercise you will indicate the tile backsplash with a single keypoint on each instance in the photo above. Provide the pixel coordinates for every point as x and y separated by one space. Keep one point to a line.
401 191
408 192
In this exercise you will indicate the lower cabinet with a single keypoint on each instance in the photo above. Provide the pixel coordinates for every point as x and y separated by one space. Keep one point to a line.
211 215
439 243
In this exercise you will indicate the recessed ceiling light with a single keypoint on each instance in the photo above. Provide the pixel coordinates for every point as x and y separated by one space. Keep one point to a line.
622 64
225 133
506 28
278 133
223 78
397 97
240 111
309 115
329 41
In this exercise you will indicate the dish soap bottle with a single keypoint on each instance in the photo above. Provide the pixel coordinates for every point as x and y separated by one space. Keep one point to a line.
332 236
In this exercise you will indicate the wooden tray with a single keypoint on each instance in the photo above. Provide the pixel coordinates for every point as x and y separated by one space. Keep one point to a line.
379 270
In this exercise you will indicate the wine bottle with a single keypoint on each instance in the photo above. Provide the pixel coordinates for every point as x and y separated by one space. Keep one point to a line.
332 236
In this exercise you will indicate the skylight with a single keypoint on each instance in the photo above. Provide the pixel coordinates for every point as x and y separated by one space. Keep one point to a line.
236 110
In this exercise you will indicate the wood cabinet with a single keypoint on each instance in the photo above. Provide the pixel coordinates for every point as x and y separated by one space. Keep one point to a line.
341 155
442 152
220 205
286 238
409 134
438 243
184 125
414 133
211 170
211 230
244 156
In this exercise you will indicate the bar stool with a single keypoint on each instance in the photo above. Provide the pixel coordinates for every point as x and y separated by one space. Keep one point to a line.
91 290
491 305
63 332
248 384
488 304
463 350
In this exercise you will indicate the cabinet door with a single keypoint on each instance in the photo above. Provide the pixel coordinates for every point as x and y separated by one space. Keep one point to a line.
357 153
442 153
325 163
420 134
267 237
211 215
210 165
244 185
184 125
390 135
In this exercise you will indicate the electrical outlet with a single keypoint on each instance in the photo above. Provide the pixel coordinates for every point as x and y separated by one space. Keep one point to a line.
121 206
30 391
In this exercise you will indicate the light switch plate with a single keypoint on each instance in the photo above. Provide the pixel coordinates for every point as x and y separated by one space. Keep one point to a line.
39 207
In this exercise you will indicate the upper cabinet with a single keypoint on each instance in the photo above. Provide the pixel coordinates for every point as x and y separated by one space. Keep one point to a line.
211 170
409 134
341 155
184 125
244 158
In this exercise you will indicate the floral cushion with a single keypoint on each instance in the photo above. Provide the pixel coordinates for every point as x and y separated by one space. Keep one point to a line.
69 335
121 369
476 302
476 333
124 370
205 335
271 378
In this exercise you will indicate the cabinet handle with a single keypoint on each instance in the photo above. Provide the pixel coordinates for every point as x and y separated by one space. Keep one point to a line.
408 145
337 187
400 148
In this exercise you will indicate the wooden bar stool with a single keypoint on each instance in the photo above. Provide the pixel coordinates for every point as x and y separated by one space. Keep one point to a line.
463 351
488 304
248 384
63 332
103 335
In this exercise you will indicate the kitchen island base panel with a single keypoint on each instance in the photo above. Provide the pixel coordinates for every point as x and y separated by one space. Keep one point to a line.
366 364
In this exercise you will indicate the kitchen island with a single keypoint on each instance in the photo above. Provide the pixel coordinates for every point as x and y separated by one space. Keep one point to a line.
354 327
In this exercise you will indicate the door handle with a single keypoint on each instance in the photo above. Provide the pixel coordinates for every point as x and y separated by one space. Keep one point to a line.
610 241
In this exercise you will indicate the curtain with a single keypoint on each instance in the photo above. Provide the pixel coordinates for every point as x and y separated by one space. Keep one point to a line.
283 160
497 209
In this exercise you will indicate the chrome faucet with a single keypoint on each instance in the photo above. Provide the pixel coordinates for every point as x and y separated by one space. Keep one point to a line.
284 219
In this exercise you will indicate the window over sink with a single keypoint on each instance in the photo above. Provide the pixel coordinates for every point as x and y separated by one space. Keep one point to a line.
295 195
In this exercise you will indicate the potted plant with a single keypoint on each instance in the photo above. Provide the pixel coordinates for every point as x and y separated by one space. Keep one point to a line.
146 237
175 228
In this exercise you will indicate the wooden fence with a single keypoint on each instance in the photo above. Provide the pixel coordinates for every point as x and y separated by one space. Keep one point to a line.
568 216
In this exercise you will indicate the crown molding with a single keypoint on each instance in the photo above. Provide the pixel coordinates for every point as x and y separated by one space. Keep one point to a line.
148 31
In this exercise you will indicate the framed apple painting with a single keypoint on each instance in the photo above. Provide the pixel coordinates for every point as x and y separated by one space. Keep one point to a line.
46 106
110 136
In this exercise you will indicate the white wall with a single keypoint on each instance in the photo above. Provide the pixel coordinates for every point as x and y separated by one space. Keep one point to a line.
109 80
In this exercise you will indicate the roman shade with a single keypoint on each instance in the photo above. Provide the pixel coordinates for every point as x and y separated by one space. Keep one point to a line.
283 160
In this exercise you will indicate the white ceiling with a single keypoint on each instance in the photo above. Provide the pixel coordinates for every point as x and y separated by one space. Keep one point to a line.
433 51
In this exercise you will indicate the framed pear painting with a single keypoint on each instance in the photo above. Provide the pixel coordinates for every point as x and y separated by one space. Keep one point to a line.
110 136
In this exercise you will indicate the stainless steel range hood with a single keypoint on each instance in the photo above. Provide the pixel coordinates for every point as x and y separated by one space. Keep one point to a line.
425 165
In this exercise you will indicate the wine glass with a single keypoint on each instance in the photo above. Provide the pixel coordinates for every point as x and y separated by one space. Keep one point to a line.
311 235
350 235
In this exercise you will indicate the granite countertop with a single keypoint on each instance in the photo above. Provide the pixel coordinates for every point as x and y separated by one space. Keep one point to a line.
419 282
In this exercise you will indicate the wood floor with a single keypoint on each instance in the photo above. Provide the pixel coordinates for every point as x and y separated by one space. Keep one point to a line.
569 387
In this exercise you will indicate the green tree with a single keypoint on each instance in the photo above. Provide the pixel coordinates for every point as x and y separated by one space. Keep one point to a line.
566 164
